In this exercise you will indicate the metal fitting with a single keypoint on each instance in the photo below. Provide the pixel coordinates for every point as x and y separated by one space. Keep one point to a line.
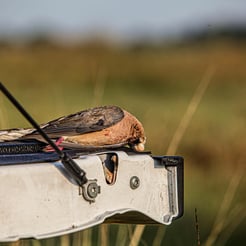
134 182
90 190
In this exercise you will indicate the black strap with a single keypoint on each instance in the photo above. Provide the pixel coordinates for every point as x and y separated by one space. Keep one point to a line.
14 159
20 147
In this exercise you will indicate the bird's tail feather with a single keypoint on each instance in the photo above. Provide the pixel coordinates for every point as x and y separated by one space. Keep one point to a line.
14 134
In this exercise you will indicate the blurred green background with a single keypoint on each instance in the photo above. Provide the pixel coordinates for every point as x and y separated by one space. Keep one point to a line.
157 81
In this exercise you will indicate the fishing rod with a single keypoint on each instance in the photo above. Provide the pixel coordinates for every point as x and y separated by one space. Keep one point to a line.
78 174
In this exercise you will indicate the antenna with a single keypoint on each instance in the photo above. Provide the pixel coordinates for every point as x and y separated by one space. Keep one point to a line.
74 170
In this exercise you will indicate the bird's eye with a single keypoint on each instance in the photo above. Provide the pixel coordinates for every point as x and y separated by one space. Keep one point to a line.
100 122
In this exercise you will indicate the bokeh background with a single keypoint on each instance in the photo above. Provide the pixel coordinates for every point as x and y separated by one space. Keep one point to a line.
180 67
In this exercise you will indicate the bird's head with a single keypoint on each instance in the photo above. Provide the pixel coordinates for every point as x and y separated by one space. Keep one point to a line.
137 137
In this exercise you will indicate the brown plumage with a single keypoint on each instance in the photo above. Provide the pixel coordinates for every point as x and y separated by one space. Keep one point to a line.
107 126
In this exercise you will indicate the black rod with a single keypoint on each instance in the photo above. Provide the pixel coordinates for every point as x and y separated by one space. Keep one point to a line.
77 173
30 119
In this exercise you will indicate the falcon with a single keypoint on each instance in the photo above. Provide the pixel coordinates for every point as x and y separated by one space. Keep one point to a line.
100 127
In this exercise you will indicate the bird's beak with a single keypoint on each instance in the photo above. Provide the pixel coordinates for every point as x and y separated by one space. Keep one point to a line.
140 145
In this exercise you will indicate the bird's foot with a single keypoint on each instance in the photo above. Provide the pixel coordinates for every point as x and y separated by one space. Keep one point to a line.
49 148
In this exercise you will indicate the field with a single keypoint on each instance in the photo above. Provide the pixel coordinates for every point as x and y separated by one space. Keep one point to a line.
160 85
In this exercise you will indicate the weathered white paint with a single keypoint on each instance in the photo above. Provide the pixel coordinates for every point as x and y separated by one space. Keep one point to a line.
39 201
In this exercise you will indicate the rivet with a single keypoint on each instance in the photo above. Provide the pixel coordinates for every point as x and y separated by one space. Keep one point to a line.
134 182
93 189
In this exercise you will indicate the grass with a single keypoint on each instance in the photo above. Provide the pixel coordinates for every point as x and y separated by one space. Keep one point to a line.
175 141
225 217
156 86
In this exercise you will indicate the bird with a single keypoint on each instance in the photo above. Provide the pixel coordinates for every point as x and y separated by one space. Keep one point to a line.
98 127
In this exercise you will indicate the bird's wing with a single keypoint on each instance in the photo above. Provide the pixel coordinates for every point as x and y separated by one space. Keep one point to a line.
85 121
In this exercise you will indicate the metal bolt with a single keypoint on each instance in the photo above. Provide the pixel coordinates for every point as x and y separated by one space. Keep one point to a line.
93 189
90 190
134 182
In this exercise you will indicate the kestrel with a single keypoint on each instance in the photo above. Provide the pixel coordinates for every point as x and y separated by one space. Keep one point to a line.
100 127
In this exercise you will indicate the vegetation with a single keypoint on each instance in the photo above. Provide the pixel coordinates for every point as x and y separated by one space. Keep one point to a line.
157 84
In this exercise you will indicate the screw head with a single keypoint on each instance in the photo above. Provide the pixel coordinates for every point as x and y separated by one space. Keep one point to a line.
134 182
93 189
